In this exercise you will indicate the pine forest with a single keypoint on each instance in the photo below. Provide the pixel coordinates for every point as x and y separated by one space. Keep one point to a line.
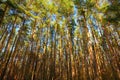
59 39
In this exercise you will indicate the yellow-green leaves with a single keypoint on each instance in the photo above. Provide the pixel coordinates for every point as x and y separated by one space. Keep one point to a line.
26 43
103 7
20 8
66 7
